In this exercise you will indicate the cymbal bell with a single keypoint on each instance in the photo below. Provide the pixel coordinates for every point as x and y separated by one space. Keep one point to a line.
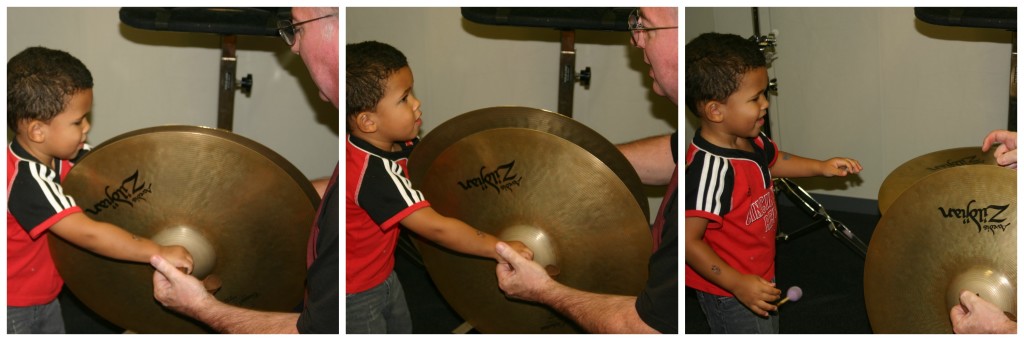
242 210
911 171
953 230
542 179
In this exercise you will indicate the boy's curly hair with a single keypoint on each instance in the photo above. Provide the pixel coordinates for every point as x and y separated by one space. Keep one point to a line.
41 82
715 64
367 68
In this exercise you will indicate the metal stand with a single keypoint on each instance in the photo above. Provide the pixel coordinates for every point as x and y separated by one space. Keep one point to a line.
817 212
567 76
227 84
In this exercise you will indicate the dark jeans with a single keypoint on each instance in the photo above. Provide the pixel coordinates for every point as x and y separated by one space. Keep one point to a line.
37 319
726 315
380 310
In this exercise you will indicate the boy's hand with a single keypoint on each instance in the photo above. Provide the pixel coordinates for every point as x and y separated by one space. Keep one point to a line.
521 249
755 293
177 256
840 166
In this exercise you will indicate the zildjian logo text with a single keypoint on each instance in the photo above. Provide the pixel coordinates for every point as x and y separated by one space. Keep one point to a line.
986 218
130 192
501 179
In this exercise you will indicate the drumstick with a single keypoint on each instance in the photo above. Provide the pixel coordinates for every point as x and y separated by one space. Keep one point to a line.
792 294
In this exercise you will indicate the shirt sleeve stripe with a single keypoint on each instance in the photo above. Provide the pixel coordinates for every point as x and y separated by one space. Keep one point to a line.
404 186
53 193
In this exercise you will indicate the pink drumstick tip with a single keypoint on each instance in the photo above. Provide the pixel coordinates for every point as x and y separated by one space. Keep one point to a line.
792 294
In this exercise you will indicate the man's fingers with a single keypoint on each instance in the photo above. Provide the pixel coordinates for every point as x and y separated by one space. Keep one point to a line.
967 299
508 254
163 266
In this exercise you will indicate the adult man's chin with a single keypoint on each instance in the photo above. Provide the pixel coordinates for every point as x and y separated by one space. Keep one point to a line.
325 98
657 88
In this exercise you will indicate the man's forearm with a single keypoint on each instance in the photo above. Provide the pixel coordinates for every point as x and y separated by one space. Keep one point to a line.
651 158
597 313
226 318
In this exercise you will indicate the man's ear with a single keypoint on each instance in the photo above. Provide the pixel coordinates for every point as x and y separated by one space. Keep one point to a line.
366 122
713 111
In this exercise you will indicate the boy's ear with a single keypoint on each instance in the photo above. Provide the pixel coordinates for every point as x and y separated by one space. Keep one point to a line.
366 122
35 130
713 111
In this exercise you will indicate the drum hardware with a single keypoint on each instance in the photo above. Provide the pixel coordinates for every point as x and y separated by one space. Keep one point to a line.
952 230
806 203
545 180
228 83
242 211
567 77
766 44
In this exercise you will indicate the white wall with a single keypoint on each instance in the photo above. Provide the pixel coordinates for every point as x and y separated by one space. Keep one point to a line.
875 84
149 78
460 66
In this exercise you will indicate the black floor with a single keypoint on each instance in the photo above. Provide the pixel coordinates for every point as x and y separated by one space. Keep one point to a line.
830 274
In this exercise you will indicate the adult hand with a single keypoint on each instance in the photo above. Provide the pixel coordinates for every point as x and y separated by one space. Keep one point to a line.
519 277
975 315
176 290
1006 153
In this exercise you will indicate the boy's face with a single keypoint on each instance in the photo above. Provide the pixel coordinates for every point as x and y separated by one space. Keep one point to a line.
66 133
743 112
398 113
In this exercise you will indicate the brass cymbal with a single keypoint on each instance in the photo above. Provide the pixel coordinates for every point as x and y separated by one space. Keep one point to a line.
955 229
911 171
545 180
243 211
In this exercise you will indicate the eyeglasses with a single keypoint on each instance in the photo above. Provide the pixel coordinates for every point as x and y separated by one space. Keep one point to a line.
637 28
287 29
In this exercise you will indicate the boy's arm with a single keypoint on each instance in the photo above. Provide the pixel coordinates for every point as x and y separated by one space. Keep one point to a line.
753 291
793 166
455 234
111 241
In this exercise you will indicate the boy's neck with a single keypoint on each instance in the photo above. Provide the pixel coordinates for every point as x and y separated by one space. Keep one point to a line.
33 149
376 141
724 139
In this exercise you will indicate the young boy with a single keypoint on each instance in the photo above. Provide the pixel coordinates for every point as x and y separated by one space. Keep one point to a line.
383 119
49 94
730 205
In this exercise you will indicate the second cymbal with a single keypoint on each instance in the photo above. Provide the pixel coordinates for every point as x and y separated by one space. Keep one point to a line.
911 171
